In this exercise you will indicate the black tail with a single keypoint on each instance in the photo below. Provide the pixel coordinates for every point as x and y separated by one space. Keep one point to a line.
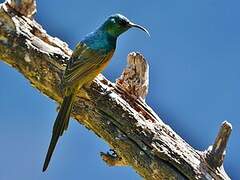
60 124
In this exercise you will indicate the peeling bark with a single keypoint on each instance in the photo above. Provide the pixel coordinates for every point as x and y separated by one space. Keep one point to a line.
119 116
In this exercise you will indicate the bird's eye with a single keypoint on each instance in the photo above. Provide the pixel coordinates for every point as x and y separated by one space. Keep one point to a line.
113 20
123 23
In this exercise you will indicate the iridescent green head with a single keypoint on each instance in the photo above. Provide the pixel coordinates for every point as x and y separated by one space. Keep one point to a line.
117 24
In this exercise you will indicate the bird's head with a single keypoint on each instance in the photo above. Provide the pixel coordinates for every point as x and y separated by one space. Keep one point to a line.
117 24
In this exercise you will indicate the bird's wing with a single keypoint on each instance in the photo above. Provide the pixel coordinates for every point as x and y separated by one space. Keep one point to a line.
84 65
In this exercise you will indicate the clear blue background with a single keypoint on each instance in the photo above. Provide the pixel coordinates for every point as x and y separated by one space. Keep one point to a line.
194 57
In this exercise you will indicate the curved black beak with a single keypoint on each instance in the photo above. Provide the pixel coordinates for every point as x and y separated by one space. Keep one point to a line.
139 27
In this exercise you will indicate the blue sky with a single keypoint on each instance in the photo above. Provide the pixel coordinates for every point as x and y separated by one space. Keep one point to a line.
194 58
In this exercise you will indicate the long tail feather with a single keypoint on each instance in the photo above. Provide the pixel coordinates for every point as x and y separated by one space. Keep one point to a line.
60 124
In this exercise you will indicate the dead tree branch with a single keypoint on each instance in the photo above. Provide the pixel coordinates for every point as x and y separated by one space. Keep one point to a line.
115 112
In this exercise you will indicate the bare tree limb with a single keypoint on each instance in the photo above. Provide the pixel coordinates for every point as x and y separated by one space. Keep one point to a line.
117 114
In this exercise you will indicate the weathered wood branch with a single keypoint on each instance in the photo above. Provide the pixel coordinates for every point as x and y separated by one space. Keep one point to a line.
216 153
23 7
115 113
134 78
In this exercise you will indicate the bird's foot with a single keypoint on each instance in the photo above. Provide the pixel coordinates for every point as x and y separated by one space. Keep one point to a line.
108 91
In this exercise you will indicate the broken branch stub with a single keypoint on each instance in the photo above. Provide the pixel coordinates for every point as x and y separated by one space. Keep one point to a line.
216 153
135 77
24 7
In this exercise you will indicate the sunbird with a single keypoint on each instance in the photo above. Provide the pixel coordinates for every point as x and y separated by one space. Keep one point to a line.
88 59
